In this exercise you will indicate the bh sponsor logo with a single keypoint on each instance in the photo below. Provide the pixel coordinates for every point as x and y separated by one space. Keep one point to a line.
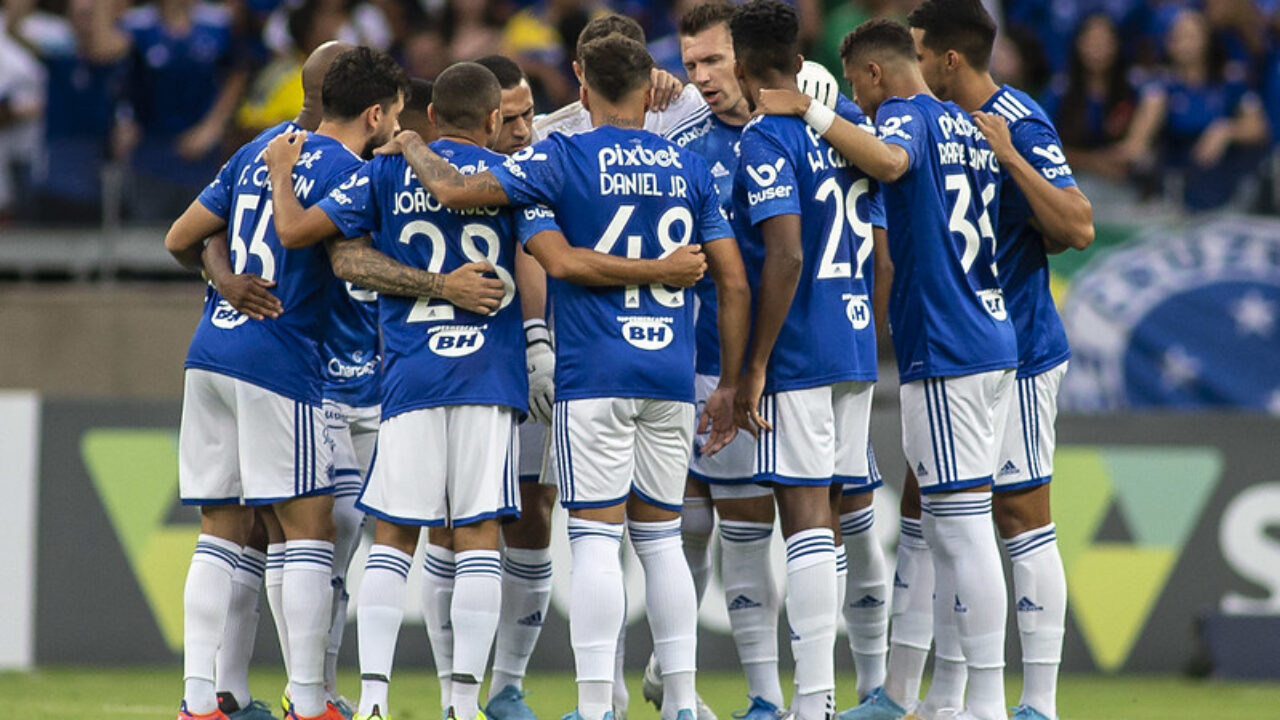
456 340
647 333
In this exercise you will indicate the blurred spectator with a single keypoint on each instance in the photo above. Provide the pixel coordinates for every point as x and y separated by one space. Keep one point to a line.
275 95
1093 105
361 23
1018 59
542 38
84 86
425 54
1196 124
474 28
183 90
1238 26
664 39
22 98
843 17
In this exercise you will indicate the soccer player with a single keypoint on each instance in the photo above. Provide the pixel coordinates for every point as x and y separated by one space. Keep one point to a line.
623 426
253 429
805 223
954 342
1041 211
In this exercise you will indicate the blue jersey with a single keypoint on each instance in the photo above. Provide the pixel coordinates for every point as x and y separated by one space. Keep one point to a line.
281 355
717 142
786 168
1020 255
628 193
350 348
946 307
437 354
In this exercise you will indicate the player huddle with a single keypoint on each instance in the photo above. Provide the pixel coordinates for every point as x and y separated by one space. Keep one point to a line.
659 316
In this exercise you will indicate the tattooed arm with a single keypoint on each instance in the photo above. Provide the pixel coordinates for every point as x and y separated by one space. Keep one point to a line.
355 261
453 189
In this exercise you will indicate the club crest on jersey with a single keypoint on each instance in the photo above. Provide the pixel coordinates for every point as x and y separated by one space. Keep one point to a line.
647 332
456 340
226 317
857 309
993 301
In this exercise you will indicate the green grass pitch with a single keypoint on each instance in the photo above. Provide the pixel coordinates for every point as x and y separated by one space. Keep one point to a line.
152 694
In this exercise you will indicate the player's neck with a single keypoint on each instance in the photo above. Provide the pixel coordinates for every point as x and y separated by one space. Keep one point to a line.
973 89
624 116
307 119
351 135
737 116
462 136
908 84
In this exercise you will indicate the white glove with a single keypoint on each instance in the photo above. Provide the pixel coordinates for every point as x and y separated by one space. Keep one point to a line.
818 83
540 359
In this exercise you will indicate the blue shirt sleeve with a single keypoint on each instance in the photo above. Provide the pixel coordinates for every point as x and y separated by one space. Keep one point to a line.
1038 143
216 196
770 178
533 219
712 222
535 174
877 207
899 124
352 206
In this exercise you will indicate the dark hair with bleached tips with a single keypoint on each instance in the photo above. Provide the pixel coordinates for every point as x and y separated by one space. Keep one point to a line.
615 66
606 25
359 79
504 68
765 36
465 94
880 40
706 15
961 25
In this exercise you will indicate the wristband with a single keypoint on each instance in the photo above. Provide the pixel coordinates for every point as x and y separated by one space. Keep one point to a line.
819 117
535 331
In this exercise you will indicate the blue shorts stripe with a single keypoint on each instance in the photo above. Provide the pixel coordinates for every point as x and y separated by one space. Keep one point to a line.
953 470
931 414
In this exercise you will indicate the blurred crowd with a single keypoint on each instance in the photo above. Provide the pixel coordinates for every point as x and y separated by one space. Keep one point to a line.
117 110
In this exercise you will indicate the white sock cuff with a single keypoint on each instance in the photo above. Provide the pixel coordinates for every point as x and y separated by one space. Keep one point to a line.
1032 542
580 528
858 521
527 564
315 555
810 547
911 534
646 534
957 504
842 562
985 651
218 552
250 567
439 562
385 557
743 531
479 563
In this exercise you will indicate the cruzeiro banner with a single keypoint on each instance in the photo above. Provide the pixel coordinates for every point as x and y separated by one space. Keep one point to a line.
1182 317
1161 519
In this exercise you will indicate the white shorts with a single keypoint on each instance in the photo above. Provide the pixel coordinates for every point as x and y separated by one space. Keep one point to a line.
452 465
733 465
535 444
241 443
738 491
873 476
819 435
355 433
951 428
607 448
1026 453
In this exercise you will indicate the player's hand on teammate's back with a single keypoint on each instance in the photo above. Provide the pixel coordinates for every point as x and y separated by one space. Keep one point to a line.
996 130
470 287
666 87
250 295
397 144
284 150
684 267
776 101
746 404
718 417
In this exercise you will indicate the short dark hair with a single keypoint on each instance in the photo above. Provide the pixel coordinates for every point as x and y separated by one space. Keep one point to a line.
419 97
706 15
504 68
880 38
464 95
615 66
764 36
961 25
606 25
359 78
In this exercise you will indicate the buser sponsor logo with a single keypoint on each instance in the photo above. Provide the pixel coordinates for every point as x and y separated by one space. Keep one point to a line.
637 156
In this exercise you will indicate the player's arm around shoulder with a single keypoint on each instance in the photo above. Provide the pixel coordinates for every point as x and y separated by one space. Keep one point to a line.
296 227
884 161
1033 157
453 189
